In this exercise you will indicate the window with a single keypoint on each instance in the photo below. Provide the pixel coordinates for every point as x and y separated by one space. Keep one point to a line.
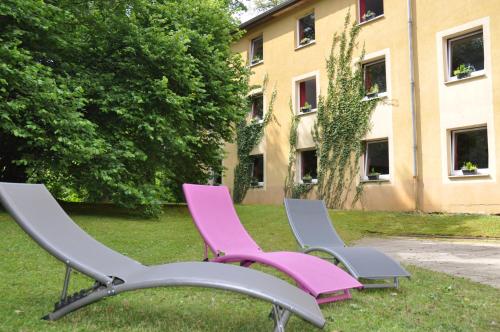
370 9
306 33
375 78
257 106
377 160
308 166
257 170
307 95
469 146
465 55
257 50
215 177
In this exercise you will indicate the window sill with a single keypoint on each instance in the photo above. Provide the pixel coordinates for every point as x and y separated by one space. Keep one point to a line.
379 181
455 79
307 113
256 64
260 186
379 96
371 20
314 182
472 176
299 47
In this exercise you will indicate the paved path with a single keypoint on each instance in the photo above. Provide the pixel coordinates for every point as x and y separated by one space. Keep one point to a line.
478 260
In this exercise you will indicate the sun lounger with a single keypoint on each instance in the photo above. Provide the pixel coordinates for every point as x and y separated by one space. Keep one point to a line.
39 214
313 229
215 217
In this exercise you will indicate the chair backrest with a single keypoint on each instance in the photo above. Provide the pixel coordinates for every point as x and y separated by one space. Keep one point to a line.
38 213
311 223
213 213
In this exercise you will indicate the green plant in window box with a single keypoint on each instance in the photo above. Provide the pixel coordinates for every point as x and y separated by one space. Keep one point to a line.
373 175
256 59
305 41
373 92
254 182
307 178
469 168
306 108
463 71
369 15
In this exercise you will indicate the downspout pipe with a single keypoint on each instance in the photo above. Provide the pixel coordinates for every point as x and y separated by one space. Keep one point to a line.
413 101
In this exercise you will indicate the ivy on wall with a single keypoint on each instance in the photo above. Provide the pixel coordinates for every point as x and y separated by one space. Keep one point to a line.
343 121
291 188
248 136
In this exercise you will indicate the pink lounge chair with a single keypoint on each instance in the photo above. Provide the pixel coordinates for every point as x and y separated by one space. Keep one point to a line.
216 219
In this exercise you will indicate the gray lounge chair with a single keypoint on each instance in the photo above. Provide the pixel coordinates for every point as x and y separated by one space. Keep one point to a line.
314 231
39 214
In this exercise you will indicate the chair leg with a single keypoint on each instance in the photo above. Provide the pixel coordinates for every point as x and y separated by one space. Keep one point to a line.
77 303
281 317
394 284
67 304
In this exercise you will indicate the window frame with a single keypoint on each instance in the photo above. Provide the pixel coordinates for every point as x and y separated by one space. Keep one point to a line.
252 97
261 37
453 132
261 183
449 40
382 177
360 17
297 94
298 45
299 165
371 62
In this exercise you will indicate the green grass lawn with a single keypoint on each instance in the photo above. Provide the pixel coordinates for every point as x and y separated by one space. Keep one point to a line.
31 280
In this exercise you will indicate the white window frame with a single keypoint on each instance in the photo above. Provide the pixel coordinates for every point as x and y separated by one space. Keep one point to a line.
261 183
453 132
372 19
252 96
297 93
382 177
297 31
252 50
372 62
449 74
299 165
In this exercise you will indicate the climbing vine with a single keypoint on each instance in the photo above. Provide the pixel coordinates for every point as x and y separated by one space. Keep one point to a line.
343 121
248 136
293 189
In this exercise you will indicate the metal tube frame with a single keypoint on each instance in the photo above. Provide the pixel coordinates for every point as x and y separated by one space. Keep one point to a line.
281 317
99 291
64 293
337 261
67 304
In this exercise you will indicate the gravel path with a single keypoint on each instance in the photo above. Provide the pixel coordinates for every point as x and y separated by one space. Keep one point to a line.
478 260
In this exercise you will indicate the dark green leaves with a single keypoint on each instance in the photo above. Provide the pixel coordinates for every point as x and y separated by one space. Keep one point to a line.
117 101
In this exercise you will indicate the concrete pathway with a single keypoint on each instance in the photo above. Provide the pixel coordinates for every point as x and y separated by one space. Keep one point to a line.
478 260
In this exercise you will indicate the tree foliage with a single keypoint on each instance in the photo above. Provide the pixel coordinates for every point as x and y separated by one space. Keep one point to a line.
263 5
343 120
117 100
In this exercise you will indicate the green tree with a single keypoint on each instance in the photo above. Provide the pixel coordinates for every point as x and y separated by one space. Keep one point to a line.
263 5
120 101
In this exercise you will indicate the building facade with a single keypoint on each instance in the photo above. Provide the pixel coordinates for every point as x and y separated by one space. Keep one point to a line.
436 72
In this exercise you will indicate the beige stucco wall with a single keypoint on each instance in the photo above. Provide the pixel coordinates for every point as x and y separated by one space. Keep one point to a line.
444 106
440 106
